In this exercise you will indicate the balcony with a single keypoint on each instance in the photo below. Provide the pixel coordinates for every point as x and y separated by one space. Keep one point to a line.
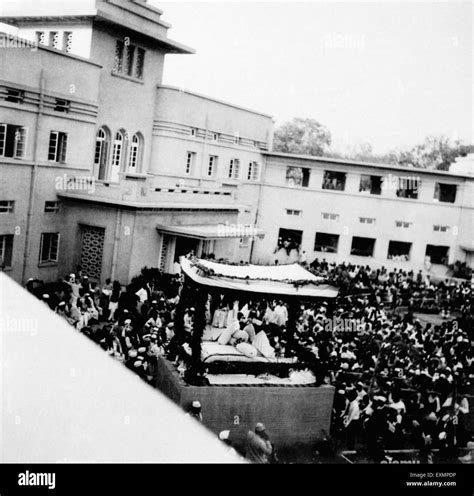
140 191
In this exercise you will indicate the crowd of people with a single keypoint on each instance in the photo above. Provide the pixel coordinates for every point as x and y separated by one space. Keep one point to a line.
399 381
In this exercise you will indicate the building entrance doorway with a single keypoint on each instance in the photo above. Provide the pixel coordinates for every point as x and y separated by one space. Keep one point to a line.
184 245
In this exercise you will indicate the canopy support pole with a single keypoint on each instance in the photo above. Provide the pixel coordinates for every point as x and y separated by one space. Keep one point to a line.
293 306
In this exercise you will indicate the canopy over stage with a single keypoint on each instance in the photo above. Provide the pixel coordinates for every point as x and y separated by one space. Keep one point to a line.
294 411
285 280
208 284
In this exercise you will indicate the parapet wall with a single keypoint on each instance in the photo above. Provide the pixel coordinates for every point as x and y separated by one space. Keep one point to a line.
293 415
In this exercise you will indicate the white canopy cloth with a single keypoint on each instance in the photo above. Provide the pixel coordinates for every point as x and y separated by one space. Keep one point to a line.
287 280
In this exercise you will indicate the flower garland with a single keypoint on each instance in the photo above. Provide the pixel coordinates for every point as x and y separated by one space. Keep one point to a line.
208 272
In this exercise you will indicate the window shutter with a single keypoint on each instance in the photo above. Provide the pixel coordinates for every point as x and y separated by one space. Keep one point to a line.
63 148
53 145
3 137
20 142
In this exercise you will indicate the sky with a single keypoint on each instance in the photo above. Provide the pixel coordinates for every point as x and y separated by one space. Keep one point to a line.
386 73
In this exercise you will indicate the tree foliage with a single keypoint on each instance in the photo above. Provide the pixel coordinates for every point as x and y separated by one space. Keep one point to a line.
302 136
435 152
309 137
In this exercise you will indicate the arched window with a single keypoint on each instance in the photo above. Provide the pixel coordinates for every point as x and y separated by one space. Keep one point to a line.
102 143
117 156
135 154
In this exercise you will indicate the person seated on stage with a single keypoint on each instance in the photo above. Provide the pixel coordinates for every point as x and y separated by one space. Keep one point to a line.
220 316
238 335
249 329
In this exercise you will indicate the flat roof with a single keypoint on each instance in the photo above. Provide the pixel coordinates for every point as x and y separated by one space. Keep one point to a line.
338 161
152 205
222 102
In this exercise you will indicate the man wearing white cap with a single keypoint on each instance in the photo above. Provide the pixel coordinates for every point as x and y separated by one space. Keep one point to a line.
224 436
259 447
195 411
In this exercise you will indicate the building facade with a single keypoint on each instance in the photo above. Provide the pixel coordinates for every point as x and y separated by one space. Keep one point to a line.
106 168
366 214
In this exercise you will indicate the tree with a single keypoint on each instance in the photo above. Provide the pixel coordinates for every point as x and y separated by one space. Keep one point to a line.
303 136
435 152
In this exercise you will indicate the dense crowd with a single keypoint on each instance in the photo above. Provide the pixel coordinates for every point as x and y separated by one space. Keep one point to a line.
399 382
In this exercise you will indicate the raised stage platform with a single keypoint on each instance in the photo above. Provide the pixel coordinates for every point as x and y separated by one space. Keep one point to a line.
294 415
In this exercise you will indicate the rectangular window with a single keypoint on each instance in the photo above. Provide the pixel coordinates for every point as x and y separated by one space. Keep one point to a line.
215 137
49 247
128 59
408 187
51 207
329 216
41 37
189 163
14 95
12 141
237 138
62 105
370 184
399 250
54 39
118 57
295 213
440 228
289 239
193 131
234 168
326 242
212 165
57 147
7 206
334 180
253 173
402 224
445 193
67 41
366 220
363 247
139 63
437 254
244 242
6 250
297 176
